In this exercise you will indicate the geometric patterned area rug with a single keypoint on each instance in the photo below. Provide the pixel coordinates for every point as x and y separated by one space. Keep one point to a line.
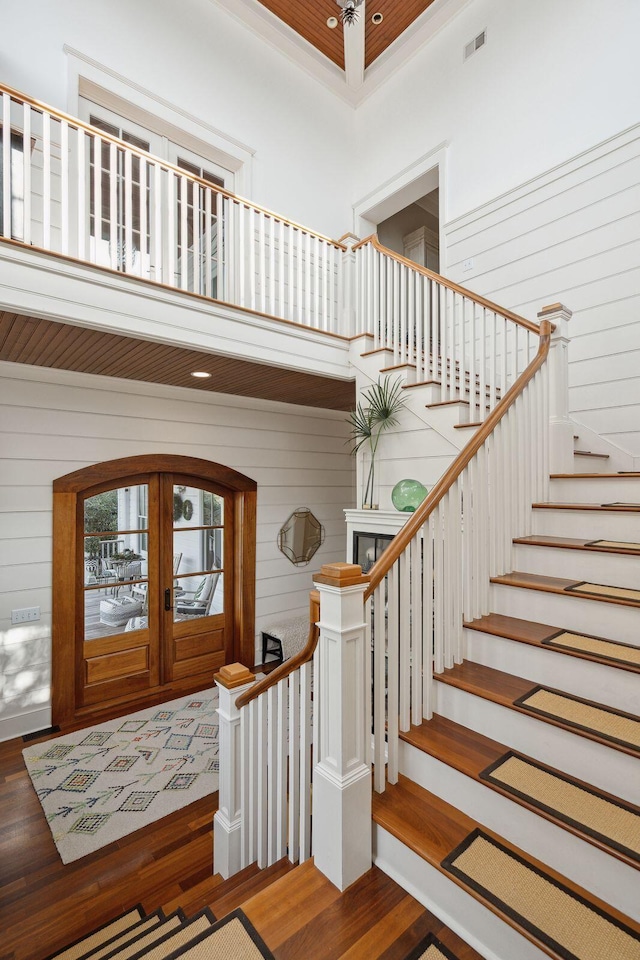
99 784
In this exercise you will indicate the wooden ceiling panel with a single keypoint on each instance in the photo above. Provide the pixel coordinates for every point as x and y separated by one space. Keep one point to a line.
46 343
310 21
397 17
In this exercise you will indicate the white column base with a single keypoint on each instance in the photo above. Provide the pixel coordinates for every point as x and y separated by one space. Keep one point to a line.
342 824
227 850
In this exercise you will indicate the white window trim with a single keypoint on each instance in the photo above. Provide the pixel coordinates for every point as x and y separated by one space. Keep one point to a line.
96 82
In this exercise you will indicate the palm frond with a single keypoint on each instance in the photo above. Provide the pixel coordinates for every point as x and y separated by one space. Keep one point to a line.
385 401
361 426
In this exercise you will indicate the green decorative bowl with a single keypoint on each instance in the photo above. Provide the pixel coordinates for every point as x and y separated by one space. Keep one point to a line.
407 495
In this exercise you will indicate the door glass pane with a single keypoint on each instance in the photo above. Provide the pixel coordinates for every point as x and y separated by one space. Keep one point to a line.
115 562
198 552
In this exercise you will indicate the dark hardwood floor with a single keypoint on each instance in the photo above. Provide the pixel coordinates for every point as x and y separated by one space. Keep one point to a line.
45 905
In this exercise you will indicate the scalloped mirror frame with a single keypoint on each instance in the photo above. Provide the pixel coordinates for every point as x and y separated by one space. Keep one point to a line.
300 536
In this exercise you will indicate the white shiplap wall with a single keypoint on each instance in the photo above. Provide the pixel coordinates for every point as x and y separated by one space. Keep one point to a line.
53 422
572 235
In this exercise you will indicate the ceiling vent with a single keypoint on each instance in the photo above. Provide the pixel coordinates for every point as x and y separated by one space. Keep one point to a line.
475 44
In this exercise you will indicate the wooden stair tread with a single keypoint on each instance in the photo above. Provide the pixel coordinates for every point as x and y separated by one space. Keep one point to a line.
471 752
558 585
572 543
505 688
427 825
595 476
603 507
588 453
461 426
528 631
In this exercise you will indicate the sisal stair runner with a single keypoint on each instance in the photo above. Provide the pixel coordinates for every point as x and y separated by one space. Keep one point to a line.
558 916
134 936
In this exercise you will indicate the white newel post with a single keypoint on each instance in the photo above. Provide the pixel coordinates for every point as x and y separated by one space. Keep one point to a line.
347 296
342 773
231 681
561 427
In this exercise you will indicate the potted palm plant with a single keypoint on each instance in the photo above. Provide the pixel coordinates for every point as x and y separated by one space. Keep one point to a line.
376 412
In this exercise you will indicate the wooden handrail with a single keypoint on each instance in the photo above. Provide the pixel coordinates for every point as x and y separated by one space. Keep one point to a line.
166 164
464 291
294 662
402 539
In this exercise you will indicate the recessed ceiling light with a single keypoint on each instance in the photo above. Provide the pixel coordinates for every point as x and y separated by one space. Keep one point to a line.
377 18
332 23
202 374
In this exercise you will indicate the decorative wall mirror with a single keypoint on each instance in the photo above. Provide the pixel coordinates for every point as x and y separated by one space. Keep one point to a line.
300 536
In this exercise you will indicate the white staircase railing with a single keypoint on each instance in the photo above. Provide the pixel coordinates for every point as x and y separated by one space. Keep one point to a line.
435 575
69 188
470 348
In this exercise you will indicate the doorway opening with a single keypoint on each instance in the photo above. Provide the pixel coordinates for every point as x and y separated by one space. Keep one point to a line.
155 586
414 231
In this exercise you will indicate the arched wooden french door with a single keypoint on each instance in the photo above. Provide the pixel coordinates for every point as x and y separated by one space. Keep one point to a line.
154 580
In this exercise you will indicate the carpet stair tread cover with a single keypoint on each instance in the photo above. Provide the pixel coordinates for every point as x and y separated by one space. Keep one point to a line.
554 913
199 938
587 718
601 649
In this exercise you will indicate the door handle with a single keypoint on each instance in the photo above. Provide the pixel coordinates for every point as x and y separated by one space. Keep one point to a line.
167 599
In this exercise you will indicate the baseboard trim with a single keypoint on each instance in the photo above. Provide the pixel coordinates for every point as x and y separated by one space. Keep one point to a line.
25 723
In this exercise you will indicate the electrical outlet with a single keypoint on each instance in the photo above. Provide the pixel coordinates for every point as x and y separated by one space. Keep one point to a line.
25 615
467 264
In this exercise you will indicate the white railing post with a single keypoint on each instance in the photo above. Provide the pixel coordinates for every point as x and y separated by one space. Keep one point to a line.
231 681
561 427
347 293
342 774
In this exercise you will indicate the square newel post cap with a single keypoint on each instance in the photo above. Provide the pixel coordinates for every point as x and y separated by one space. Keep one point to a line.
341 575
234 675
555 311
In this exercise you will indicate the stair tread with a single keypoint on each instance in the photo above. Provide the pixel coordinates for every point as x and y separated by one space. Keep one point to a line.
595 476
604 507
471 753
538 634
461 426
429 825
506 690
573 543
588 453
568 588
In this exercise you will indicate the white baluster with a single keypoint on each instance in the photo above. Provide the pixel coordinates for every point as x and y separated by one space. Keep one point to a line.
404 637
262 262
196 272
46 181
307 282
393 643
282 311
294 766
184 233
428 532
262 783
438 585
223 247
127 264
172 238
272 773
417 628
6 165
251 240
379 685
142 217
272 267
305 762
207 254
114 209
26 185
157 251
64 187
81 183
281 770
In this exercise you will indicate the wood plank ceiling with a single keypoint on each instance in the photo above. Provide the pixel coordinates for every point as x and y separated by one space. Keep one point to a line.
310 21
47 343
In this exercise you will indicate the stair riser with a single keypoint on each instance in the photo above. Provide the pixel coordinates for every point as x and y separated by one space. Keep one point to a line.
597 871
604 767
587 524
594 617
583 464
623 489
583 678
623 571
483 930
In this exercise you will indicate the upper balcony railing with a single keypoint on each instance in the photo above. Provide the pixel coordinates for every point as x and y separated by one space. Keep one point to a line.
72 189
